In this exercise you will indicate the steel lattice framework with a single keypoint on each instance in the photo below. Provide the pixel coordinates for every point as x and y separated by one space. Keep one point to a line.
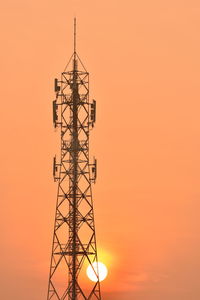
74 240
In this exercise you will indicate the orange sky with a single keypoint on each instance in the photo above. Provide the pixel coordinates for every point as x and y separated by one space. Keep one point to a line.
144 64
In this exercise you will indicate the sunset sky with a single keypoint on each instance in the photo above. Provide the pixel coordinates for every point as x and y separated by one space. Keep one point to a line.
144 63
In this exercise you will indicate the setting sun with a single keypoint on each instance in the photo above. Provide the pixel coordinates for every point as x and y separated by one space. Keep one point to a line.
91 273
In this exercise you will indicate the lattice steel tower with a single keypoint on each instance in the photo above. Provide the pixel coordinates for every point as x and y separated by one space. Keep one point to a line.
74 239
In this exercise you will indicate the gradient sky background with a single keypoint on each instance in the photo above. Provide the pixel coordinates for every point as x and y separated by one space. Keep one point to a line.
144 63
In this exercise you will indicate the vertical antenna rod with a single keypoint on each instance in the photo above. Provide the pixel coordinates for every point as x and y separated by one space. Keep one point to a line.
74 35
75 60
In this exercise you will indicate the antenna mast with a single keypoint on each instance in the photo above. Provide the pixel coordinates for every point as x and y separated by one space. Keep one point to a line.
74 35
74 238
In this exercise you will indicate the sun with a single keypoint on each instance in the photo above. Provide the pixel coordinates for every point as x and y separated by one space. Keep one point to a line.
92 271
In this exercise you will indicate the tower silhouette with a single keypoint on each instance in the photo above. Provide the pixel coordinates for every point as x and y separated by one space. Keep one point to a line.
74 239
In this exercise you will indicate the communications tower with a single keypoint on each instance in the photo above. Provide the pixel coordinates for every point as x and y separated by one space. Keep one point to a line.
74 240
